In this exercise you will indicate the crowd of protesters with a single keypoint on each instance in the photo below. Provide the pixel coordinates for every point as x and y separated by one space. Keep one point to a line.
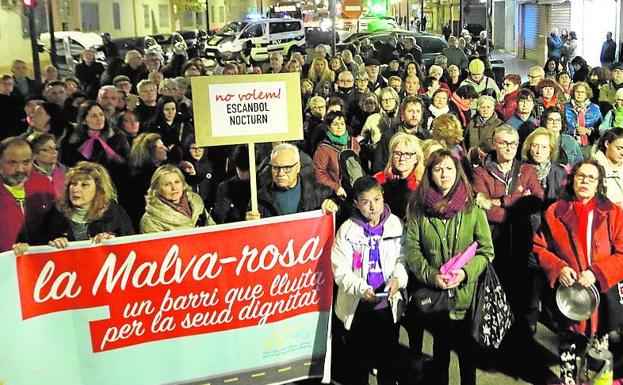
418 162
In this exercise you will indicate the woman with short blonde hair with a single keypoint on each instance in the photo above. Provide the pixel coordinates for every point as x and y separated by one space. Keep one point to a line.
171 203
404 170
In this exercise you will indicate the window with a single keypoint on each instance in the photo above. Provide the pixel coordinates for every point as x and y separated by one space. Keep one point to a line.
116 16
188 19
276 28
212 17
199 18
146 16
221 14
90 16
163 15
255 30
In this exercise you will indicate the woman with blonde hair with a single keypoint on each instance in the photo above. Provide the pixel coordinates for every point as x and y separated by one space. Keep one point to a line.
87 210
403 172
147 154
319 70
447 129
540 149
171 203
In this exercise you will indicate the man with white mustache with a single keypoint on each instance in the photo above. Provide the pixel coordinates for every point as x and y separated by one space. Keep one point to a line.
25 196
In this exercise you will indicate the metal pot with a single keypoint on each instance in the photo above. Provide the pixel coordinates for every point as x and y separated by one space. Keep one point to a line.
577 302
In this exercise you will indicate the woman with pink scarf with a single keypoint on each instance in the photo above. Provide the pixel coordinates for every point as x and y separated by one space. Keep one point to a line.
95 140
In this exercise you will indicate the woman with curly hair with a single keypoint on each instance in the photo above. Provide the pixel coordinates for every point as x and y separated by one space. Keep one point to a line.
88 210
447 129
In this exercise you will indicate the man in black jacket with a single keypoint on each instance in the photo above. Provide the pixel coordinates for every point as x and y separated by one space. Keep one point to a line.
289 192
410 122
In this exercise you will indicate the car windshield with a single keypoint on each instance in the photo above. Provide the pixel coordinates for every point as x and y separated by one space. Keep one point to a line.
232 28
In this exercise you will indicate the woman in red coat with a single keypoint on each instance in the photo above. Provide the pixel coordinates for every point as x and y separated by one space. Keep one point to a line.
568 257
581 241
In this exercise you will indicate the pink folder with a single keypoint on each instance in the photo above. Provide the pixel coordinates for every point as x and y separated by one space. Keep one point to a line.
459 260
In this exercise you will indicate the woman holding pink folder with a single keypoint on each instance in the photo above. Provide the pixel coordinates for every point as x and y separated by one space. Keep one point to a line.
443 221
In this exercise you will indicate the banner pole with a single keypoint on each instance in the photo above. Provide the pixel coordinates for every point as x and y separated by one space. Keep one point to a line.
252 176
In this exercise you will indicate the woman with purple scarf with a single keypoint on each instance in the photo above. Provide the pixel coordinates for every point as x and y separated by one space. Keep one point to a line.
369 270
444 220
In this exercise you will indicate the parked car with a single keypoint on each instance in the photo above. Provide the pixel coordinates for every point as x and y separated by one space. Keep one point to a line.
69 46
260 37
432 45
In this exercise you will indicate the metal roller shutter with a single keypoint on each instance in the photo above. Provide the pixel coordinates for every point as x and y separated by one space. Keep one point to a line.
560 15
532 48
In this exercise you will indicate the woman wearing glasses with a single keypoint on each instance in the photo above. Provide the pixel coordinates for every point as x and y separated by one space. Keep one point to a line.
45 160
569 151
580 242
582 116
403 172
609 155
511 192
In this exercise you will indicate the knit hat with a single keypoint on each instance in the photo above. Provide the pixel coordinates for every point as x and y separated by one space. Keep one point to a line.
476 67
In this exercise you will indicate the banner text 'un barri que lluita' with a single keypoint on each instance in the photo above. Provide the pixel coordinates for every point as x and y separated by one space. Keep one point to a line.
236 304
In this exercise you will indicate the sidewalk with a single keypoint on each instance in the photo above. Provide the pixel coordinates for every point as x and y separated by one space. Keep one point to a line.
513 64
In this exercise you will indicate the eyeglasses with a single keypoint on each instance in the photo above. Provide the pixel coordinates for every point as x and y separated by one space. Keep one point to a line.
588 178
196 149
504 143
406 155
287 169
553 120
385 100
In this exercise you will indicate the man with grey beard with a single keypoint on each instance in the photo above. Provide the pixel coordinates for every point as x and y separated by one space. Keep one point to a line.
25 196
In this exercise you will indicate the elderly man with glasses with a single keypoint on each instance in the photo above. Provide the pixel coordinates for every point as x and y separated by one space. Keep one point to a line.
510 191
290 192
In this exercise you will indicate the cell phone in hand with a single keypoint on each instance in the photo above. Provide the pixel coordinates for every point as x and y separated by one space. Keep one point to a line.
383 294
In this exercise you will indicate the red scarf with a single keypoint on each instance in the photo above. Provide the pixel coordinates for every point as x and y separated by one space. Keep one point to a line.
582 210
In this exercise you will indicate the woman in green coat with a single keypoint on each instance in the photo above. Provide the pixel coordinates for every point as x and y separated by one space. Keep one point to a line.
443 221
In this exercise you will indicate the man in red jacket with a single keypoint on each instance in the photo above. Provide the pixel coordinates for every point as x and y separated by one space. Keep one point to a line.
25 197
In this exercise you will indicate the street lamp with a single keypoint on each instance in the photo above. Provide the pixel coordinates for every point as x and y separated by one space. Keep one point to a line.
29 10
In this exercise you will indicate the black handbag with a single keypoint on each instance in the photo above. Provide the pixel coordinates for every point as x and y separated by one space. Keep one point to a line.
491 316
428 300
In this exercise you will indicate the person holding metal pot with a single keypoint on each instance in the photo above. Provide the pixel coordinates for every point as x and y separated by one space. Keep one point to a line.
580 244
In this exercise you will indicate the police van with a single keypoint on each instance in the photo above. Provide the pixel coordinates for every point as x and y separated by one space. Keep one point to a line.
261 37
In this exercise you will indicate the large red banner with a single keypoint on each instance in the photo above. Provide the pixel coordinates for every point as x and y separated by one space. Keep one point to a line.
195 282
